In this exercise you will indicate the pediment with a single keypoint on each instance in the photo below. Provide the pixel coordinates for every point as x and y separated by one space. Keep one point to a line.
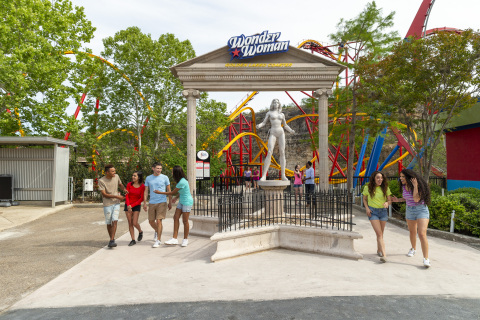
295 69
222 56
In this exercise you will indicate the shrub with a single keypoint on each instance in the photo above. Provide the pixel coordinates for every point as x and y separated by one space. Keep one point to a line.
441 210
394 186
474 192
468 221
435 189
467 213
471 204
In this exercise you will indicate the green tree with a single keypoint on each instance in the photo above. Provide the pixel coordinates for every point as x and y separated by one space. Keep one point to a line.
424 83
364 35
211 115
34 34
146 63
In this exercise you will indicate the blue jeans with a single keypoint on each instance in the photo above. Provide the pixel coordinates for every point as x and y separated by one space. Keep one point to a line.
184 208
417 212
378 214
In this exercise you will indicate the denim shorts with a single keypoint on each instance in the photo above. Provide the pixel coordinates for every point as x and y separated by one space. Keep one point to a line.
136 208
111 213
378 214
184 208
417 212
297 185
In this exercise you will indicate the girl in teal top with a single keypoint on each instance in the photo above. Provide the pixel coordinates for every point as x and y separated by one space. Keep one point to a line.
184 205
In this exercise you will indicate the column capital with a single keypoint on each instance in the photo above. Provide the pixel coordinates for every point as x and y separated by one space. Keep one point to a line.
191 93
322 92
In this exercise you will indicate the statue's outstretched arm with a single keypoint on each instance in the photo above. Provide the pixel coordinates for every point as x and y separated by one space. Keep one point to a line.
264 121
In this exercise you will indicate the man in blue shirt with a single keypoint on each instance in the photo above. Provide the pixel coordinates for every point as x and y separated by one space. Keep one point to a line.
157 208
309 179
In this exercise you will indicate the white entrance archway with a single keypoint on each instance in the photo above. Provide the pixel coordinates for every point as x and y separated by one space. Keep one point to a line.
294 70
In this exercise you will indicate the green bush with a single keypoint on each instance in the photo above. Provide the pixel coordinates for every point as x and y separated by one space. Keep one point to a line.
469 221
441 211
79 172
474 192
396 190
394 186
467 213
435 190
471 204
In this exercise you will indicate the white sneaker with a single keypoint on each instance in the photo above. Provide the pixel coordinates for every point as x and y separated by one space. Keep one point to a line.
155 236
411 252
157 244
172 241
426 263
185 242
380 254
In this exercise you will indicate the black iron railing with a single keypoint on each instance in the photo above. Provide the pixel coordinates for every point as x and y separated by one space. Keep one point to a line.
330 209
208 193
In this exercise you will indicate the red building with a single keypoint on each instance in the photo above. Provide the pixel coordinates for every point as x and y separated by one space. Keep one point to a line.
463 150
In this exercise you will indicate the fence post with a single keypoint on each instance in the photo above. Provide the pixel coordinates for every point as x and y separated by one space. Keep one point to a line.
390 211
443 192
452 222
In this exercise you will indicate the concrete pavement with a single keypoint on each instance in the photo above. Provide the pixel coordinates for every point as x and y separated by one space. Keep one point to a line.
144 275
13 216
34 253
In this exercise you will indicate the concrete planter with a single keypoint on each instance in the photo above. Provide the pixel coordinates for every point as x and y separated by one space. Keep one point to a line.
203 226
314 240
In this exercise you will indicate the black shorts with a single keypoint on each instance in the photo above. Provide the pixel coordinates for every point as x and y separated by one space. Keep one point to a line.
136 208
247 178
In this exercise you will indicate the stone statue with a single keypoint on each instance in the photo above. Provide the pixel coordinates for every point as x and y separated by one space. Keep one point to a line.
277 118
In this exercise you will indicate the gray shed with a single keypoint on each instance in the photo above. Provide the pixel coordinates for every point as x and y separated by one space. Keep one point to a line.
39 168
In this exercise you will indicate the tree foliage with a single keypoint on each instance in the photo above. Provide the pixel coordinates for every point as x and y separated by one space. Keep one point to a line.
423 84
211 115
141 86
151 91
365 35
34 34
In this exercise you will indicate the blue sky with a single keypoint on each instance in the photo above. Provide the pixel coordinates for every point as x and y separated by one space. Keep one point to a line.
209 24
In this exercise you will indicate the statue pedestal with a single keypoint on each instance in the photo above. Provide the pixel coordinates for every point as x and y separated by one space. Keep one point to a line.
273 200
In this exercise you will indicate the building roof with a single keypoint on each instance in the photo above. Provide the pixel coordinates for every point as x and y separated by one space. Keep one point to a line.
35 141
469 118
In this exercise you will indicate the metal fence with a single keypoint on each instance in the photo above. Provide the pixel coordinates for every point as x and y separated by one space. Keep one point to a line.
330 209
227 198
208 193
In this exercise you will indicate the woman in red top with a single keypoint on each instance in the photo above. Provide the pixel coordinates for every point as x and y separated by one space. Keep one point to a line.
133 203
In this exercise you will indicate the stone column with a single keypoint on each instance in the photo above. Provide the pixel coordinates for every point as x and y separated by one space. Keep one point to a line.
191 95
323 161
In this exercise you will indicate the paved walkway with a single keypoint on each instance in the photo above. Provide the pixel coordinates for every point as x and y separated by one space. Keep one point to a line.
179 282
141 274
11 217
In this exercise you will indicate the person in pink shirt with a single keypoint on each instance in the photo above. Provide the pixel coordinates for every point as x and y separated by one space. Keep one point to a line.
133 205
416 194
298 184
255 177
